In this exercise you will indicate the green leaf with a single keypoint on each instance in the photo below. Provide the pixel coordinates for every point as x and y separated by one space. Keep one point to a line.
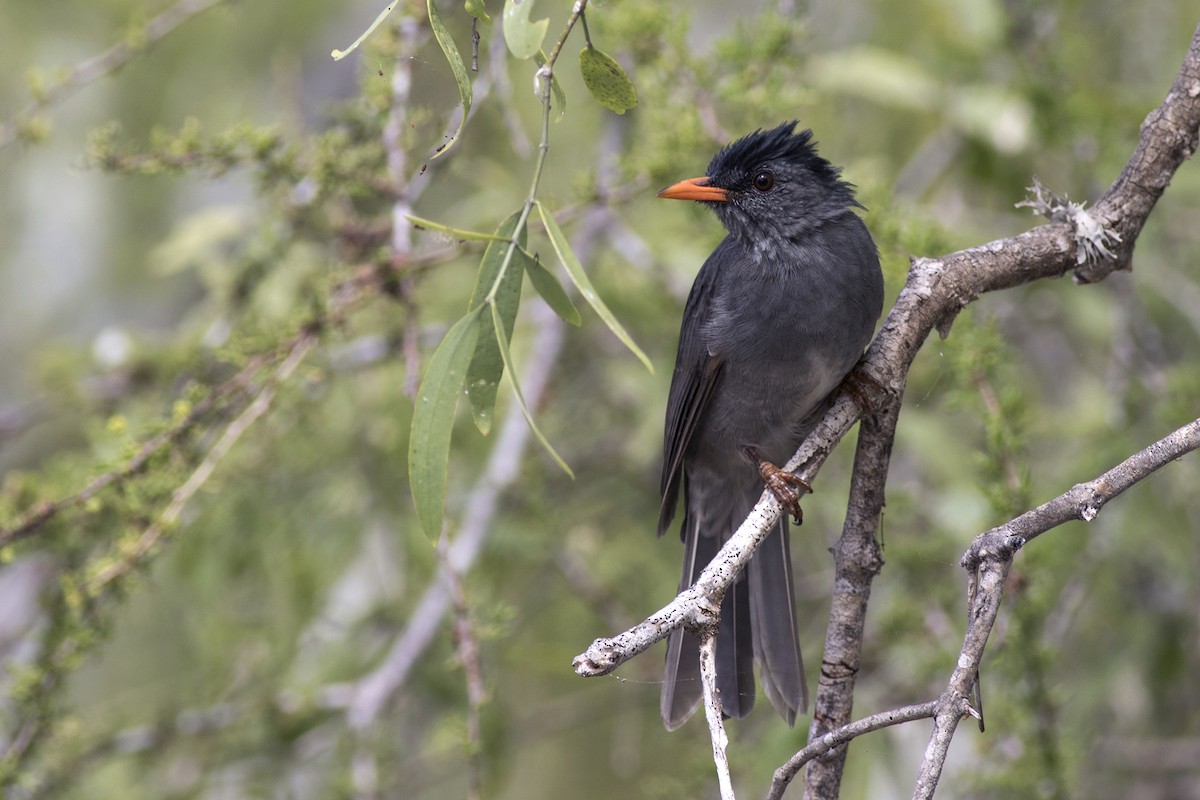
502 339
457 233
433 419
607 82
551 290
498 284
450 50
523 36
574 269
559 96
475 8
493 259
338 55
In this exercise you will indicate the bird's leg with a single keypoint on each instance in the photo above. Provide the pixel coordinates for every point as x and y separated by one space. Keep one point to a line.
786 486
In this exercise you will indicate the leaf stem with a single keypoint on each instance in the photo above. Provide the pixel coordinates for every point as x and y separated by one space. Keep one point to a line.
545 74
545 78
587 35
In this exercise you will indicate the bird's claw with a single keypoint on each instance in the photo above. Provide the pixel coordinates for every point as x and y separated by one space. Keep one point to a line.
858 384
787 487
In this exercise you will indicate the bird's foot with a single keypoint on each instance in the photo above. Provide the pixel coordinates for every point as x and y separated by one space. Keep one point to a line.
858 385
787 487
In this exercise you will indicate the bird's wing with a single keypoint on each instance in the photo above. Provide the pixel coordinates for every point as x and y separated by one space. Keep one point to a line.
697 373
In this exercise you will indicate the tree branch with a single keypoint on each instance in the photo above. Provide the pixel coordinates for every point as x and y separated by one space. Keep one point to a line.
857 559
712 711
988 561
467 645
936 290
823 744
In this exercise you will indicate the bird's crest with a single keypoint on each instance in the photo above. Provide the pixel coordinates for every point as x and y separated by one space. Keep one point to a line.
781 143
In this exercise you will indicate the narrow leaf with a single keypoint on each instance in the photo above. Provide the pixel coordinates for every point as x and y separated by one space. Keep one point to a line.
499 284
338 55
450 50
475 8
433 419
457 233
575 270
502 339
523 36
607 82
493 259
551 290
559 96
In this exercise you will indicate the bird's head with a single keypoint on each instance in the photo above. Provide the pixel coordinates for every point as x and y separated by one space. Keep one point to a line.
769 187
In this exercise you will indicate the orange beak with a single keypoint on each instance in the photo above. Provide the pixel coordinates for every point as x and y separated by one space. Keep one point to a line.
695 189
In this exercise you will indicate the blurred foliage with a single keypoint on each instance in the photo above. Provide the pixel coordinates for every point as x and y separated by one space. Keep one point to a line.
174 231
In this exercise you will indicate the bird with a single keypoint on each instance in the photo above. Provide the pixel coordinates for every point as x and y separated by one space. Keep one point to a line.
777 317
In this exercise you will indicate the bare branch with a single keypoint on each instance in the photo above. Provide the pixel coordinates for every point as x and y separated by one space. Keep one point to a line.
936 290
857 559
988 561
836 738
412 34
712 711
1084 501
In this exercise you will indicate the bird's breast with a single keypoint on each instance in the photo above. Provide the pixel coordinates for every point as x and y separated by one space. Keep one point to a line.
786 335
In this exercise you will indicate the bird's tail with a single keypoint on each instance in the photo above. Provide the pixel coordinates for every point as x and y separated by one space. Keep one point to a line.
758 622
773 621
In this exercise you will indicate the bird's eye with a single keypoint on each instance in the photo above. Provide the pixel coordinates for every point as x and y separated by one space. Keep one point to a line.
763 181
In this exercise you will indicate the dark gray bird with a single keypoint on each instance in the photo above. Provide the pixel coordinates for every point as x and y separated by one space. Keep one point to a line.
778 315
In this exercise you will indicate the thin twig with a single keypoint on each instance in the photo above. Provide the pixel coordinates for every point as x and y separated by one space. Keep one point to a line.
468 656
411 34
105 63
33 521
836 738
712 711
1084 501
180 497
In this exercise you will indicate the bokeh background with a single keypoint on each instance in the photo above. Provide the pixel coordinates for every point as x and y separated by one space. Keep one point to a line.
165 225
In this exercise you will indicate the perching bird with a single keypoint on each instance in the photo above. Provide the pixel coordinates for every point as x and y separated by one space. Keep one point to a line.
779 314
